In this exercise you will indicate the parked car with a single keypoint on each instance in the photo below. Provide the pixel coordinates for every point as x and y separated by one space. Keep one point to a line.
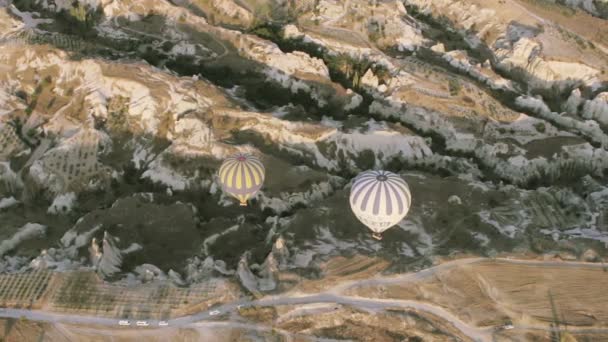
214 313
124 322
163 323
142 323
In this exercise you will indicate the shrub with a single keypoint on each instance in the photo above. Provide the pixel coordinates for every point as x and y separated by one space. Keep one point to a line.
80 20
21 94
454 86
540 127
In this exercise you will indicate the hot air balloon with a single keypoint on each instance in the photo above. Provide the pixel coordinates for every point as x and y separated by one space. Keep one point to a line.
241 176
380 200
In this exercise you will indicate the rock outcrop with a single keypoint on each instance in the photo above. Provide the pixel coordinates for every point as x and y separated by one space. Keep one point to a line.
108 258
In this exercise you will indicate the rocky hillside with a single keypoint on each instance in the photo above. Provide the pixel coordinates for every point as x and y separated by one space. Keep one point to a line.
116 114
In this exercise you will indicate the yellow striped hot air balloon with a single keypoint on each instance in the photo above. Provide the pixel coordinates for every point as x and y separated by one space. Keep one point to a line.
241 176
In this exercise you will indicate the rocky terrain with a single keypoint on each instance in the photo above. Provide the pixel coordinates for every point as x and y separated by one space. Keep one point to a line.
116 114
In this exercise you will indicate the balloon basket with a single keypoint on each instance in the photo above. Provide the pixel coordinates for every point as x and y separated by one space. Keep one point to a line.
243 204
377 236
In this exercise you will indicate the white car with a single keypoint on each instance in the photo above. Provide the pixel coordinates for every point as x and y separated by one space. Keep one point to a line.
214 313
124 322
142 323
163 323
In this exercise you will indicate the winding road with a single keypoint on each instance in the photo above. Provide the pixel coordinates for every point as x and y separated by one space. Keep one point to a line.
477 334
331 296
163 39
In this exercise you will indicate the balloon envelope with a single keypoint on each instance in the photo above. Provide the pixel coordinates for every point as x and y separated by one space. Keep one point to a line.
241 176
380 199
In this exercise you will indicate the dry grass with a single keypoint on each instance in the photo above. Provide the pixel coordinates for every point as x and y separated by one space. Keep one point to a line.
347 323
581 23
340 269
492 292
453 97
12 330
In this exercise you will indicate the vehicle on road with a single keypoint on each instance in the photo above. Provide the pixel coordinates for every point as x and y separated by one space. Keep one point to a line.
163 323
142 323
124 322
214 313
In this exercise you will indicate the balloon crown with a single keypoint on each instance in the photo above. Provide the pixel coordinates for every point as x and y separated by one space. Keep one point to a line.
241 158
381 178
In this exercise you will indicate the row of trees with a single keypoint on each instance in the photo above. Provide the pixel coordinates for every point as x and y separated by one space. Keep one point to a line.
80 19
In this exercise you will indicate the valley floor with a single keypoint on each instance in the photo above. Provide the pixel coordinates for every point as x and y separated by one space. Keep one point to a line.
475 299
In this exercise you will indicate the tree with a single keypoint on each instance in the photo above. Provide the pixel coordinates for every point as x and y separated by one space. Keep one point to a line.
454 86
540 127
78 11
262 13
80 19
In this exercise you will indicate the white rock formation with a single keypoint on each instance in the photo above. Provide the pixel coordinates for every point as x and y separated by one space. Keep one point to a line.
590 256
370 80
149 94
149 272
287 201
57 259
439 48
108 258
280 253
197 270
8 202
525 55
268 272
28 231
159 172
597 108
232 9
246 277
589 128
516 47
193 133
595 7
355 101
269 54
72 238
483 73
300 138
9 180
62 204
454 200
176 278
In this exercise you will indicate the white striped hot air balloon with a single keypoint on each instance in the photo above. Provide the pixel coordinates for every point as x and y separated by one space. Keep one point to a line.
241 176
380 200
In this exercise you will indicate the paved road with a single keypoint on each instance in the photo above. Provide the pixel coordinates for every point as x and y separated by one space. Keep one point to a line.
520 6
163 39
331 296
474 333
245 5
408 277
545 21
345 8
